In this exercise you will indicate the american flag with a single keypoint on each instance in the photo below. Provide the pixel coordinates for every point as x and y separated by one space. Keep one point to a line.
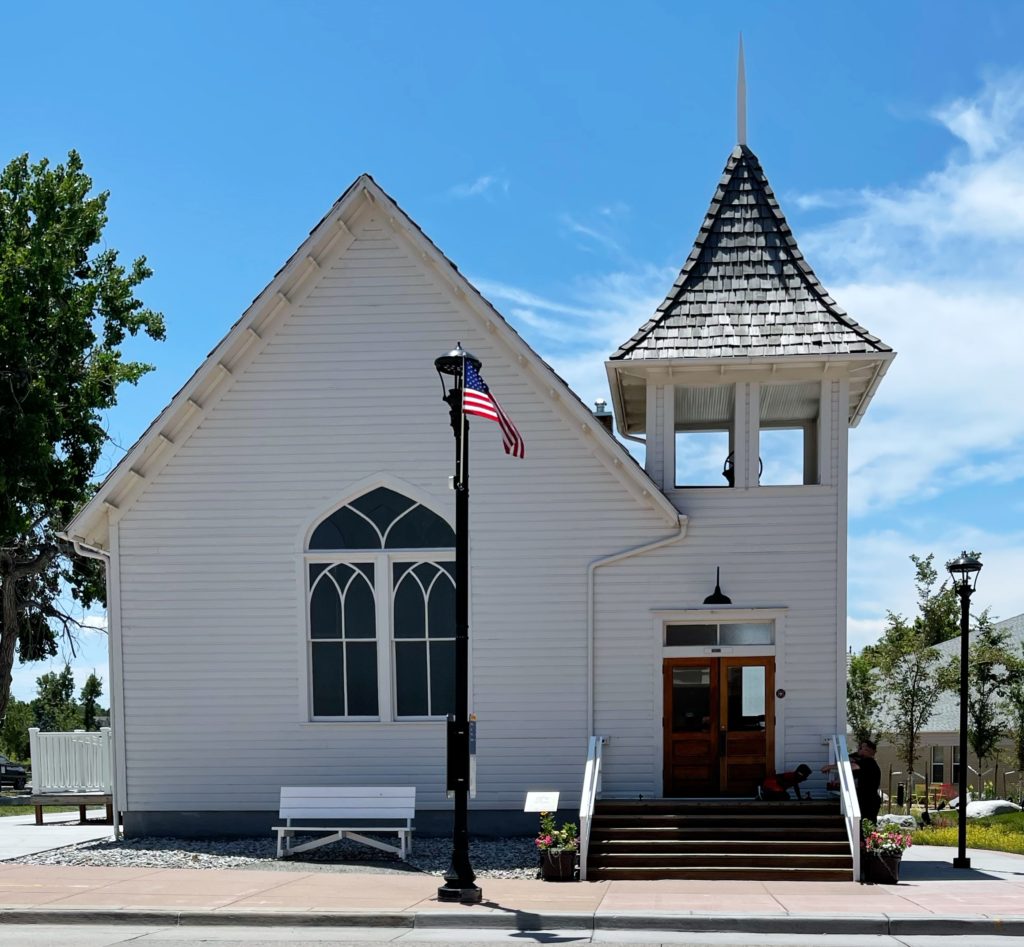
477 399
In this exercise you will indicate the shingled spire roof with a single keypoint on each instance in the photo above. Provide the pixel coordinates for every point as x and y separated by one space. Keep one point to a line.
745 289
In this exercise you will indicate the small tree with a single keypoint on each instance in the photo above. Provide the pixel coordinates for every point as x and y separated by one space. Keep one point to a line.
910 680
862 698
91 691
938 608
1015 711
990 667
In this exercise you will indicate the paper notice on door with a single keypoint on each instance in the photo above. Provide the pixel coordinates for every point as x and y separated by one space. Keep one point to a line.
752 702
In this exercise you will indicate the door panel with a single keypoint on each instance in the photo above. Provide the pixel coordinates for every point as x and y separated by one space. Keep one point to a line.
747 725
718 725
691 727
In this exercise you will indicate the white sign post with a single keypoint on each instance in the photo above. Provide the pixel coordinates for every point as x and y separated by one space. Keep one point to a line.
541 802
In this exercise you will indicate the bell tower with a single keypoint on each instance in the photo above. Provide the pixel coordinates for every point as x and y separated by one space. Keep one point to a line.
749 372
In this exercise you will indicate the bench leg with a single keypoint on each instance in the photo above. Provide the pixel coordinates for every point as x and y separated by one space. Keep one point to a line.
81 815
39 815
110 813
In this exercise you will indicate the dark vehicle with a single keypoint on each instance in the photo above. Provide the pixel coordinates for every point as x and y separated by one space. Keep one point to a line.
12 774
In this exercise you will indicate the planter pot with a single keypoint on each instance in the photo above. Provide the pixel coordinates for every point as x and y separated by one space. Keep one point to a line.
558 865
880 869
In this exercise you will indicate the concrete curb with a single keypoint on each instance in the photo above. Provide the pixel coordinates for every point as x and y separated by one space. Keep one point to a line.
870 924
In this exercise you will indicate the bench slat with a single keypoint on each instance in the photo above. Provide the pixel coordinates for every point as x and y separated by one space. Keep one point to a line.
332 812
345 792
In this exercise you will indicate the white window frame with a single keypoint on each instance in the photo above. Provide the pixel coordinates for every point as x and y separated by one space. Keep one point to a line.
383 593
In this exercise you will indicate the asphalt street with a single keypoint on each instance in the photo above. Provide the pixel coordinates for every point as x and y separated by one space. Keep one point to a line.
100 935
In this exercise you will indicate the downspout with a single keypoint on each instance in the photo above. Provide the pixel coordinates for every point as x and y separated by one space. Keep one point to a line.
92 552
591 570
85 550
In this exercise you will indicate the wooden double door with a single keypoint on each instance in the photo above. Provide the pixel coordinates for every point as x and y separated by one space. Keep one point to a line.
719 725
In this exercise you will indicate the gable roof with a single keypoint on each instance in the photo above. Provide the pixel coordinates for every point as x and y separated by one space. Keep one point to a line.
746 289
190 404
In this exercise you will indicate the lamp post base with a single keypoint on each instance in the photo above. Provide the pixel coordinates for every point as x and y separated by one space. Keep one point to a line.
959 862
452 892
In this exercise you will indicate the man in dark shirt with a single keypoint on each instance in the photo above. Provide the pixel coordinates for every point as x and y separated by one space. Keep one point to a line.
868 778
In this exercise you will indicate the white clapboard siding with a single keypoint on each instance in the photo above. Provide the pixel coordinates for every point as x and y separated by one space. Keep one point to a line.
781 547
211 594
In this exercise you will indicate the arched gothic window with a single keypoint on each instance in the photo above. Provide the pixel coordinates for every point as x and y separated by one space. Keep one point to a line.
381 606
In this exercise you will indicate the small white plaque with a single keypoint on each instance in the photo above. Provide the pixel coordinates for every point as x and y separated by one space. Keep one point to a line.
541 802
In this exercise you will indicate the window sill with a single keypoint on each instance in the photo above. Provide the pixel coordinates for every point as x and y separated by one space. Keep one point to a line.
368 721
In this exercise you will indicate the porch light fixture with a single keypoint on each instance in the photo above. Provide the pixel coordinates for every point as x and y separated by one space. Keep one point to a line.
718 597
459 878
964 571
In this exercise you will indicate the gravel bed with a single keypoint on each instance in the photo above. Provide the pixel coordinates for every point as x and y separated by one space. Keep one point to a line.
491 857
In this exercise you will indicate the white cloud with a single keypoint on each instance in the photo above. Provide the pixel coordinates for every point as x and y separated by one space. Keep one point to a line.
965 219
601 235
578 334
948 412
485 185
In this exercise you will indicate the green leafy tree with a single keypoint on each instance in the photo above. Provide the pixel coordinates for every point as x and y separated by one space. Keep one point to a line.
938 608
909 677
862 698
55 707
14 741
1015 708
91 692
909 674
995 695
66 307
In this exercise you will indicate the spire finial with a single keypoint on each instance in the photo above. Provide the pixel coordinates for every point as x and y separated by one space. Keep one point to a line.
741 99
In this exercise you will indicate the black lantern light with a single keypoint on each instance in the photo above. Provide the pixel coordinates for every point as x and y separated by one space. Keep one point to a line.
718 597
459 878
964 571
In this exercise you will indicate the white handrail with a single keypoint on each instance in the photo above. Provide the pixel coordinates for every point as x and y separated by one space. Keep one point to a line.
71 762
591 787
849 805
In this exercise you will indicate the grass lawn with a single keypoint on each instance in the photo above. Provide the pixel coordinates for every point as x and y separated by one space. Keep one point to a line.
6 810
997 833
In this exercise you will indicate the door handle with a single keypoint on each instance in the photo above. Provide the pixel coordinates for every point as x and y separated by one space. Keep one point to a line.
721 742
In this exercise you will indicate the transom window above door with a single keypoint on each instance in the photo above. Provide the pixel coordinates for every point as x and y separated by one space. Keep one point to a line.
716 634
380 602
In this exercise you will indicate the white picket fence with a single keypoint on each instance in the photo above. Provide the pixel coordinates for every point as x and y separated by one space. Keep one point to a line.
72 762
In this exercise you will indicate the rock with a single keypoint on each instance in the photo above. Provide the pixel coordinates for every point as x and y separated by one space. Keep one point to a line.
984 807
899 821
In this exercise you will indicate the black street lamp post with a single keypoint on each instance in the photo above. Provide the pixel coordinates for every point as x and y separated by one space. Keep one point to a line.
459 878
965 580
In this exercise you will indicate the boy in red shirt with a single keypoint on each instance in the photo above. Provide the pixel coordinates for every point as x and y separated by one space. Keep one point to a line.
777 785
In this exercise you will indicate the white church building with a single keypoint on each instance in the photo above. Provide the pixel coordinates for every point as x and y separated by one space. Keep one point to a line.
280 540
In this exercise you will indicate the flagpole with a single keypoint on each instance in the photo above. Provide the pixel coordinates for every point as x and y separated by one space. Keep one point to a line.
459 878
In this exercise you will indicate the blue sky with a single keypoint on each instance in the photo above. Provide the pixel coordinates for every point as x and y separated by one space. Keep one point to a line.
563 155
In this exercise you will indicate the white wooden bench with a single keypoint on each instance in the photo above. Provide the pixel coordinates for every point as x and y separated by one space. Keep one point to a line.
350 810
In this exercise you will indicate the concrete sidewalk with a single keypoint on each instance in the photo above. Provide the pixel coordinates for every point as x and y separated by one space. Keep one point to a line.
20 836
931 899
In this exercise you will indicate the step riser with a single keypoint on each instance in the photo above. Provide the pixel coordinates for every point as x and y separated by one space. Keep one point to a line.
728 874
741 847
713 861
